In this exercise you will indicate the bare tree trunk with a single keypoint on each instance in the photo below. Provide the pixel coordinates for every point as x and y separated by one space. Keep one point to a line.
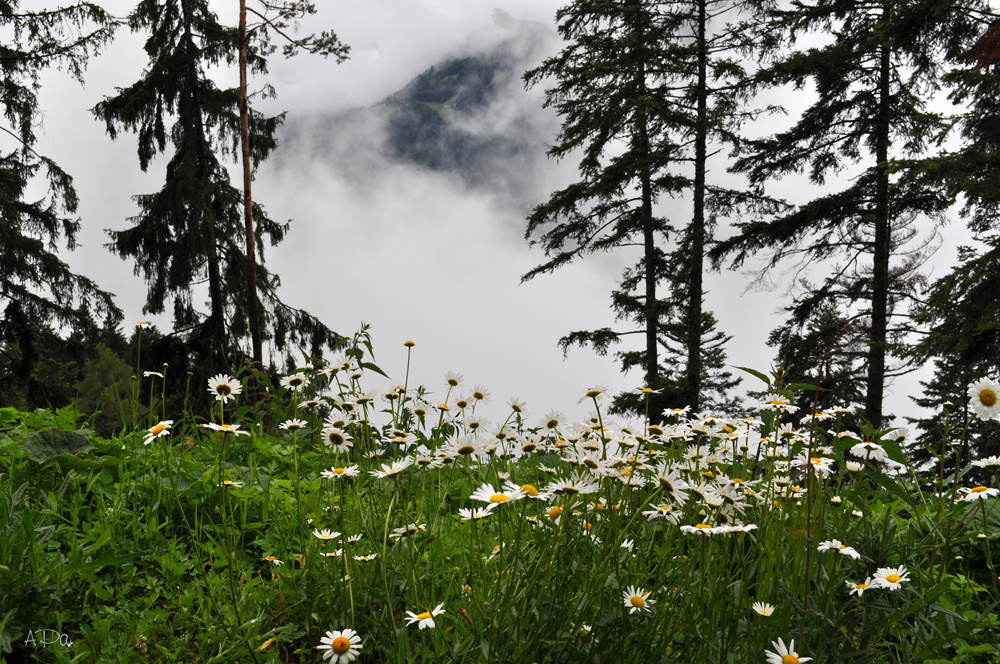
252 307
697 235
880 274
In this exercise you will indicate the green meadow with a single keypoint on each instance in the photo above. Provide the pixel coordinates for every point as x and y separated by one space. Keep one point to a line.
319 519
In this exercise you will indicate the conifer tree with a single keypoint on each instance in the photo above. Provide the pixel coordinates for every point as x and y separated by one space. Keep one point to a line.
37 288
962 312
191 231
871 82
643 90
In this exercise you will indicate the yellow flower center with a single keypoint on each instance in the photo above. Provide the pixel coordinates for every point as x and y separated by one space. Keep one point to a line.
552 424
703 526
223 390
988 398
861 586
466 450
979 489
226 426
498 498
424 616
530 490
893 578
777 402
338 471
341 645
158 429
637 602
789 659
737 480
555 512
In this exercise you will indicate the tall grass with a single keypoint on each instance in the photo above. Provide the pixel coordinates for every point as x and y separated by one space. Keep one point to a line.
700 539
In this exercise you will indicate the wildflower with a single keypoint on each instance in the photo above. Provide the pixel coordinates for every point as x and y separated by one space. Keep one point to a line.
332 554
670 481
406 531
409 344
663 512
366 559
777 402
784 655
978 493
226 428
231 484
988 462
334 473
295 382
224 387
390 469
508 493
857 513
147 374
627 545
572 486
272 560
853 466
476 513
337 439
141 324
530 491
341 647
597 393
454 379
480 393
869 450
354 539
860 588
983 398
700 529
552 420
325 534
161 429
637 600
890 577
763 609
292 425
835 545
425 619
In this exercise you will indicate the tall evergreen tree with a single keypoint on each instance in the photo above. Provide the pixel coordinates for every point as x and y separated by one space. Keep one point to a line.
37 288
191 231
962 312
871 80
643 92
962 309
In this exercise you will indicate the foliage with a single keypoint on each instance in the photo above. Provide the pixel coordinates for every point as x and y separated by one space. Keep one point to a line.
36 286
210 546
641 89
866 109
191 231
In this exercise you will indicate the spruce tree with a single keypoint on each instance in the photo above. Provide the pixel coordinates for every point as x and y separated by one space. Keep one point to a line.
37 288
962 312
191 231
872 81
643 90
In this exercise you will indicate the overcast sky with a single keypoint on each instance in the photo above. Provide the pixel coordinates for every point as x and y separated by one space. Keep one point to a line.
416 254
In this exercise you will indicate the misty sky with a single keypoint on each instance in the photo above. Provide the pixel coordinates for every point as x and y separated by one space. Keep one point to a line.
416 254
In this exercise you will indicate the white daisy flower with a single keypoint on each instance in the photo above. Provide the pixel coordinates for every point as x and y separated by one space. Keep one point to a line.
425 619
983 398
341 647
224 387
